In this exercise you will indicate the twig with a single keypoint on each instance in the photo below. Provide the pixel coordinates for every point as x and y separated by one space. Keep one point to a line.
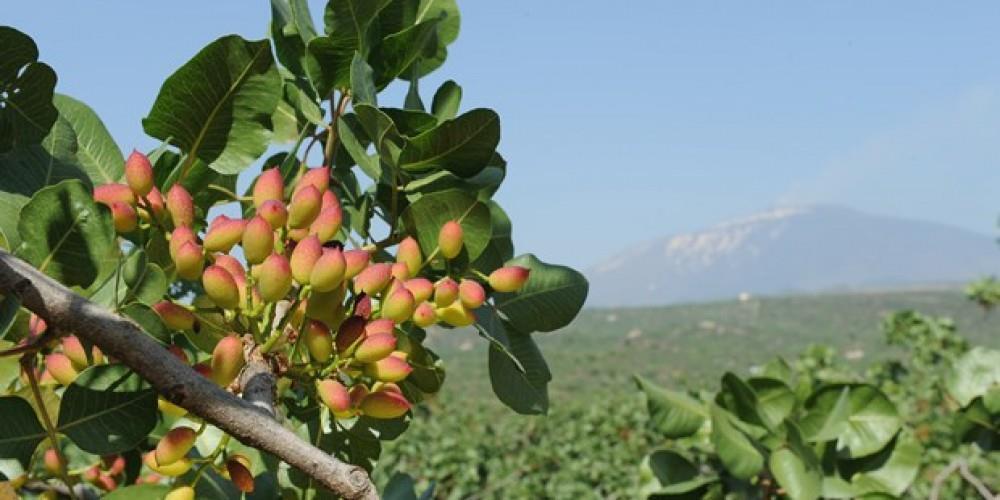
962 467
28 364
124 340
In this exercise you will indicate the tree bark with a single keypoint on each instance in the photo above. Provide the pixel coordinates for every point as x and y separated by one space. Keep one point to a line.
177 382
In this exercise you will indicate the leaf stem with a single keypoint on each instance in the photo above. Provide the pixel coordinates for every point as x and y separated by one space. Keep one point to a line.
331 139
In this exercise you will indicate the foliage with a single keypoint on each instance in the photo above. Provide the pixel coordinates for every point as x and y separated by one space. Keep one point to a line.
813 429
327 275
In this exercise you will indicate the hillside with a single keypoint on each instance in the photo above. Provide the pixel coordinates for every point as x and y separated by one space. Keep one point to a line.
792 250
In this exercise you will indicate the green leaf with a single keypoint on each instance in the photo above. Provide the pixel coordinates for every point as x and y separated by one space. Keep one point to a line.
672 414
139 492
107 409
973 374
447 32
524 389
447 100
26 109
740 399
400 487
463 146
355 143
548 301
362 82
296 111
9 307
796 477
891 471
399 50
150 322
20 432
291 29
775 399
424 218
830 420
96 151
666 474
410 122
872 420
347 23
217 107
66 235
501 246
735 450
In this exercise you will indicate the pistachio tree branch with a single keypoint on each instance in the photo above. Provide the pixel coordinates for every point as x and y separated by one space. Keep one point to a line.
125 341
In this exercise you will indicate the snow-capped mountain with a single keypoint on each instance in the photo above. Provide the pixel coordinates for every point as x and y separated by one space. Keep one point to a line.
790 250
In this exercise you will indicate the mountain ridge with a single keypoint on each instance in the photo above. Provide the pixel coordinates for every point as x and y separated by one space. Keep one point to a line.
792 249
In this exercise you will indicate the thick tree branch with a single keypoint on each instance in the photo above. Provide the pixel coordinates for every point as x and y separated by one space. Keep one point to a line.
126 342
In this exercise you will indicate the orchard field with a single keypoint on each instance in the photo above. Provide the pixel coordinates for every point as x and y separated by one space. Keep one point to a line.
587 447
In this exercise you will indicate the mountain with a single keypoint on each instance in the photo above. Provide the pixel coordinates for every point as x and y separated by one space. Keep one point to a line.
792 250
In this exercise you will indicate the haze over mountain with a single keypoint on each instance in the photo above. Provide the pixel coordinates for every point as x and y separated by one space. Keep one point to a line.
792 250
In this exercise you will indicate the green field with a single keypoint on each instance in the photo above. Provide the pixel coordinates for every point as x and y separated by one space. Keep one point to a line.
589 444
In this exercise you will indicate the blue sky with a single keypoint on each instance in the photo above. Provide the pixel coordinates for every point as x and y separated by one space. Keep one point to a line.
626 121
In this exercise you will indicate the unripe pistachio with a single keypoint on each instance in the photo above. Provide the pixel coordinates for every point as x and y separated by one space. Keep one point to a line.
335 396
318 178
298 234
328 273
139 173
178 353
319 341
110 193
304 257
350 331
269 186
399 306
388 369
258 240
189 261
471 293
274 279
238 467
509 279
327 306
156 203
450 239
203 369
175 445
227 360
456 315
355 261
52 463
378 326
175 317
178 468
327 224
221 287
384 405
409 254
373 279
224 233
115 464
445 292
274 212
178 237
168 408
375 347
424 315
154 478
74 350
363 306
61 368
36 325
304 208
106 482
400 272
125 217
180 493
230 264
421 288
180 204
358 393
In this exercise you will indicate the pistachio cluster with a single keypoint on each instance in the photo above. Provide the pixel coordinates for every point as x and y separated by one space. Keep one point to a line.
329 320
